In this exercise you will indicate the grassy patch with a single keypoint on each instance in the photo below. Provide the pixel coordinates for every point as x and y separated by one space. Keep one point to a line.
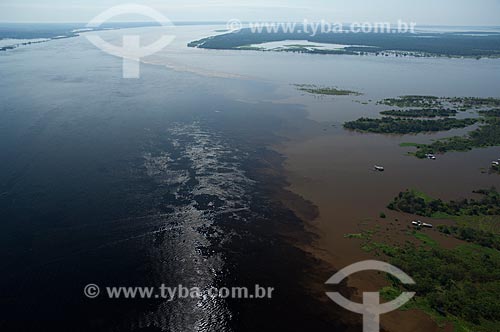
355 236
426 240
379 248
390 293
484 223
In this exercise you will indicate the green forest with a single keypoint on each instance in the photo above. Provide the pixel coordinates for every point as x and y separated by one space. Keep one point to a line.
485 136
421 113
389 125
429 44
414 202
458 285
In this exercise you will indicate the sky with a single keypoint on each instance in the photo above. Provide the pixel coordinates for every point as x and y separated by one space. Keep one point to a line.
422 12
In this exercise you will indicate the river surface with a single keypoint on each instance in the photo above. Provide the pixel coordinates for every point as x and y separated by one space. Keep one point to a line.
173 178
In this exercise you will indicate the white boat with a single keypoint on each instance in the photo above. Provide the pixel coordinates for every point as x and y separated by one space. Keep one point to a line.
495 164
379 168
416 223
430 156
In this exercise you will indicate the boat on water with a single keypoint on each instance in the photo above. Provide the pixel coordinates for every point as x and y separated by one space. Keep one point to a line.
430 156
420 224
379 168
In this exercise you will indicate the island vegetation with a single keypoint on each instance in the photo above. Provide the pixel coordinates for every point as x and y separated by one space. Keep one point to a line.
389 125
474 102
414 202
490 113
330 91
403 121
426 102
484 136
412 101
421 113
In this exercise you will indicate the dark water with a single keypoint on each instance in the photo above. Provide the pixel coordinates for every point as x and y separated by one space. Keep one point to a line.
137 183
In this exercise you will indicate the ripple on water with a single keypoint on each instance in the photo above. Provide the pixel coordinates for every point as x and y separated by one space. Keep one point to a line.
204 175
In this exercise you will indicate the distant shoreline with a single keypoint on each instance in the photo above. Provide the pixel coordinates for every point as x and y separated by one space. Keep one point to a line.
464 44
24 34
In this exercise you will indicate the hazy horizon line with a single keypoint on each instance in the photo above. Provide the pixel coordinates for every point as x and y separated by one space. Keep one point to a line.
225 21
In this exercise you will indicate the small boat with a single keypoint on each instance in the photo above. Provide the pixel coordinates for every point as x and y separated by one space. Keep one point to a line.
418 223
379 168
430 156
495 164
